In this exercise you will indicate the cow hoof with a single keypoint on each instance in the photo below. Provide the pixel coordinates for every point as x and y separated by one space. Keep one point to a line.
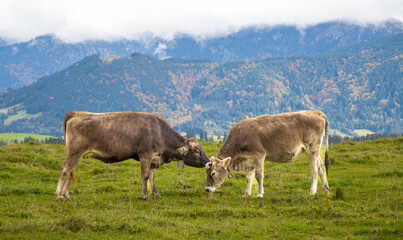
147 199
259 196
246 195
60 198
157 195
326 190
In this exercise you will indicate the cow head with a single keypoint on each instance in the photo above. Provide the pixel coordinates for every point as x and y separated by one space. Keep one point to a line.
192 154
217 172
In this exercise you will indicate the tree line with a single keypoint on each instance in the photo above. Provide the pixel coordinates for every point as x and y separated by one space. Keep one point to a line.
31 139
334 139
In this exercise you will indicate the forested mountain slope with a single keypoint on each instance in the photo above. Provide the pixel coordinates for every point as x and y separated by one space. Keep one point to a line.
357 87
23 63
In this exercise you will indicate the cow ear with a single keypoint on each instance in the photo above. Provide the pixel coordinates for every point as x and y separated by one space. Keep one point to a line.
192 140
226 161
183 151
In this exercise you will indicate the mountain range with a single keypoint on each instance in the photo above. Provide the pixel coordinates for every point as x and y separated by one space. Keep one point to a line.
23 63
358 87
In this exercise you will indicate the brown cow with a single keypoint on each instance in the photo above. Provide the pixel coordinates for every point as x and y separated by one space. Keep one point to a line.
278 138
115 137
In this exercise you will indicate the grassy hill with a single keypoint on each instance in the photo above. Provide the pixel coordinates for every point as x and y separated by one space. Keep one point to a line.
365 200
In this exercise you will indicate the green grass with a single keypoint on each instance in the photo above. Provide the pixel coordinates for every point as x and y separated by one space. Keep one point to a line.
365 200
20 115
7 137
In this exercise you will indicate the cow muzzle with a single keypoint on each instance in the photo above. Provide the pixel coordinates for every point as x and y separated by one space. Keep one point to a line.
210 189
208 165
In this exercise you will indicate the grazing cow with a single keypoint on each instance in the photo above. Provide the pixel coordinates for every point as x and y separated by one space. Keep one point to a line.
278 138
115 137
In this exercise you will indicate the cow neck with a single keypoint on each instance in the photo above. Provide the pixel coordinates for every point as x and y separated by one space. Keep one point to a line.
173 141
227 151
182 142
222 155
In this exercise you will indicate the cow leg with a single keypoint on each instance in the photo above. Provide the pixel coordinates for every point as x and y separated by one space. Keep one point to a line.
145 164
322 174
317 169
313 164
154 190
249 180
259 174
68 167
64 176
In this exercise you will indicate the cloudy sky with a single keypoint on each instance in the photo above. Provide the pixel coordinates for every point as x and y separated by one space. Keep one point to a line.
77 20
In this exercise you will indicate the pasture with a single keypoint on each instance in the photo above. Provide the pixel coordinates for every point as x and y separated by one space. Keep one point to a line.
365 201
7 137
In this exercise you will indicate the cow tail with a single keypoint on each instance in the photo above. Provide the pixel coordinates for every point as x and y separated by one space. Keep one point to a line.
327 164
65 119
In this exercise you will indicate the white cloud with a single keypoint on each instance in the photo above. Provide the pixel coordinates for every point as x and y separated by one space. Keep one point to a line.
78 20
160 51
